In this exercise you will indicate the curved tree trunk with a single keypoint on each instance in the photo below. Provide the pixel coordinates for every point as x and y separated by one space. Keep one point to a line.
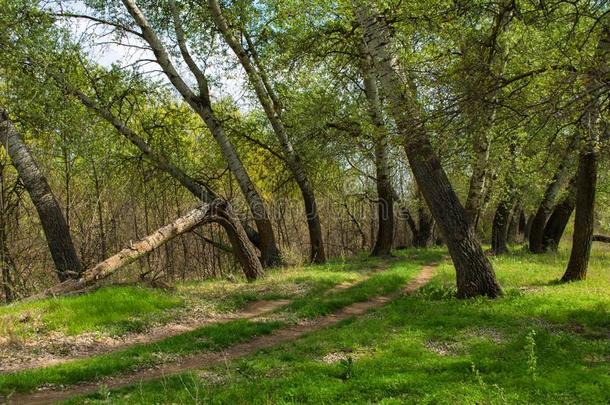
66 260
201 103
536 234
556 225
475 275
242 249
273 109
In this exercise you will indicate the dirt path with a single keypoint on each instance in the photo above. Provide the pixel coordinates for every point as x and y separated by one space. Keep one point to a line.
208 359
88 345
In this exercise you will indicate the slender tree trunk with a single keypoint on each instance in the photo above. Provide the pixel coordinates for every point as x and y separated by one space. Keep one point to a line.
536 235
514 234
484 116
201 103
475 275
558 221
385 191
65 258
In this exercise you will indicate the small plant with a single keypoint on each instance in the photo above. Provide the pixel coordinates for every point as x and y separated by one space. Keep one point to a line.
530 348
347 366
477 374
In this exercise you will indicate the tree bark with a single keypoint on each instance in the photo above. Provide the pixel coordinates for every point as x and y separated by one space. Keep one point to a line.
197 217
385 191
66 260
536 234
499 232
585 215
475 275
558 221
592 127
202 105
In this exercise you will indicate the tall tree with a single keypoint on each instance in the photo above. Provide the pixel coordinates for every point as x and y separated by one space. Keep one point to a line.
200 101
475 275
595 86
66 260
272 106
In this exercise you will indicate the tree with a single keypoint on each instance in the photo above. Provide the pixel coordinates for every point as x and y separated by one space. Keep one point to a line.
475 275
66 260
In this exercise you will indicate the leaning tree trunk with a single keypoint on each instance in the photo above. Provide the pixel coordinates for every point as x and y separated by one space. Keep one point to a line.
66 260
273 110
385 191
536 234
591 126
558 221
201 104
235 229
475 275
136 250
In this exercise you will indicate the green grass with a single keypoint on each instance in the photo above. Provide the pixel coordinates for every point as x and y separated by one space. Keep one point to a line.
541 343
216 337
114 310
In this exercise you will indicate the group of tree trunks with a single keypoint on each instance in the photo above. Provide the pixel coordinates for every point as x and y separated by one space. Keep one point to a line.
384 79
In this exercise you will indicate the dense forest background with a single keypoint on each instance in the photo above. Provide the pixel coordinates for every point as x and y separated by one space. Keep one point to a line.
268 104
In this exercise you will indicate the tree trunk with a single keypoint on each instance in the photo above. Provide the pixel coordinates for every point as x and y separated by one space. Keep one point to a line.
215 212
475 275
241 250
584 220
424 237
499 232
67 263
202 105
592 127
556 225
536 235
385 191
514 229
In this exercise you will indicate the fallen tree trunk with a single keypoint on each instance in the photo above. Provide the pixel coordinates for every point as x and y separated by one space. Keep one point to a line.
199 216
601 238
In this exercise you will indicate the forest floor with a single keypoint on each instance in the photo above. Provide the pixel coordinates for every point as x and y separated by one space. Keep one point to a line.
339 333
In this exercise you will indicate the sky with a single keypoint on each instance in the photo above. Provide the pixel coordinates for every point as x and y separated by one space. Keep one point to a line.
103 48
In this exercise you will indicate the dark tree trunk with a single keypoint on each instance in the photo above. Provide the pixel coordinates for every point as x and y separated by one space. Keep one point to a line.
523 223
591 125
558 221
584 220
67 263
536 234
424 237
475 275
499 232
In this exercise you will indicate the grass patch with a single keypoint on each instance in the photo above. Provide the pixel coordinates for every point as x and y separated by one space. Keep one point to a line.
540 343
114 310
216 337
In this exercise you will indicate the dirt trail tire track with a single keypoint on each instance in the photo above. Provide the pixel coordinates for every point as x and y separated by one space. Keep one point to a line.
207 359
253 310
